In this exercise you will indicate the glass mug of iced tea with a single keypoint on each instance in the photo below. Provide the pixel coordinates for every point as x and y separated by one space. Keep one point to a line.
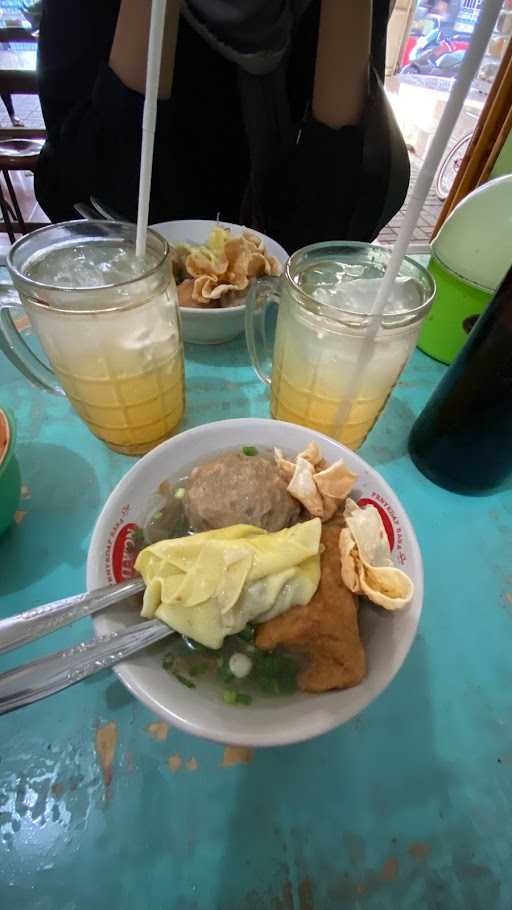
108 323
324 300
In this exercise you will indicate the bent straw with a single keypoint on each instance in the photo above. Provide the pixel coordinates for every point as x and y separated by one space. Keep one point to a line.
156 35
481 35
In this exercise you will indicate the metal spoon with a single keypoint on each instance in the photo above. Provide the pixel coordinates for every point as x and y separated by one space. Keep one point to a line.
24 627
47 675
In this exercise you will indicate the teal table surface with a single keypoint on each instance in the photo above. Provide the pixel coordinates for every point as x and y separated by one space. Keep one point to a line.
407 806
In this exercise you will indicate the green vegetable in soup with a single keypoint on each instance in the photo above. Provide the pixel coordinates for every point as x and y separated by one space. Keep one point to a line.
275 674
138 539
223 671
247 634
199 668
271 673
232 697
183 680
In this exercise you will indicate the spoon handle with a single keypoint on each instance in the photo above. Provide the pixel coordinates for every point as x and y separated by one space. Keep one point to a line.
18 630
46 675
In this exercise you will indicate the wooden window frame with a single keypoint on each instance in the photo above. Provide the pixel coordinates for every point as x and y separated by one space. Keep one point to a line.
493 127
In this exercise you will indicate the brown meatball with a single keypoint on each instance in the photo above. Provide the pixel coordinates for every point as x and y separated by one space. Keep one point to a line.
239 489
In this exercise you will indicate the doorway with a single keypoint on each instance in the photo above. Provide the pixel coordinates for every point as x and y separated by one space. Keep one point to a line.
427 42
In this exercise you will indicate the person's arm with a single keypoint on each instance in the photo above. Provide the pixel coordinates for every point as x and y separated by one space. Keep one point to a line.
91 101
128 56
342 62
347 171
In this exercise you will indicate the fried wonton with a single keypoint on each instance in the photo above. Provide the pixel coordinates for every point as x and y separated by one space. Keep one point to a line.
366 564
320 487
224 266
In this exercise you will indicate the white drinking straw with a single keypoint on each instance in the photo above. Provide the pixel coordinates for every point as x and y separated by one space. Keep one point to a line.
156 36
479 41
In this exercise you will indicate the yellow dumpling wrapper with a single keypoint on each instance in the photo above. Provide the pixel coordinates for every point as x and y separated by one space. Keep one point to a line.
212 584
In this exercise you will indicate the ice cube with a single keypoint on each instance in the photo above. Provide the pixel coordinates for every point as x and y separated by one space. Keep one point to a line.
90 265
407 294
358 296
124 265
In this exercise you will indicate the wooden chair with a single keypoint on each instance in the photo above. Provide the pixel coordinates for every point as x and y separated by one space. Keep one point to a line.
16 155
20 147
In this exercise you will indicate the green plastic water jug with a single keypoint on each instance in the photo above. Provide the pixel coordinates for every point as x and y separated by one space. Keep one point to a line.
470 256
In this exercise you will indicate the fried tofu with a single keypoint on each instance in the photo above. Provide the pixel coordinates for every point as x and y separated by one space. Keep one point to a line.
325 631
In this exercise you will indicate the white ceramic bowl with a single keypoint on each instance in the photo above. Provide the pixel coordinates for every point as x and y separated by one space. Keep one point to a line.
212 326
268 721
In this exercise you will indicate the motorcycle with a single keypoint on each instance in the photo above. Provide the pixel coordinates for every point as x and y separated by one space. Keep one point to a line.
447 65
428 48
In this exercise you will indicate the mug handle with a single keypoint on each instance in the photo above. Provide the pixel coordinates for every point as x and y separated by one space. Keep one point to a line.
263 292
21 356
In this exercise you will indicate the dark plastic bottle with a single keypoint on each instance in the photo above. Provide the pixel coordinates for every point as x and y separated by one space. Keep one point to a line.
462 440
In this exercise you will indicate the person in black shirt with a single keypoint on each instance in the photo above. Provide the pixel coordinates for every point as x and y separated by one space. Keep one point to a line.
277 117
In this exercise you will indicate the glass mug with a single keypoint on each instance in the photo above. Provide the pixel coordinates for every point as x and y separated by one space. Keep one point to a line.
115 348
324 298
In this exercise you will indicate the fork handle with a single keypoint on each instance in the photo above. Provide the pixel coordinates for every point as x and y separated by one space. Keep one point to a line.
24 627
47 675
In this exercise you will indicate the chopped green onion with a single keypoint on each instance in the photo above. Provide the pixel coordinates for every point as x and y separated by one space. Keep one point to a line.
250 450
247 634
225 675
198 669
231 697
288 686
156 516
179 493
184 681
223 672
265 685
275 674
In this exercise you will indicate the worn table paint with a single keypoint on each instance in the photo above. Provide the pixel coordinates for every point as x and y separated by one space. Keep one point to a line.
407 806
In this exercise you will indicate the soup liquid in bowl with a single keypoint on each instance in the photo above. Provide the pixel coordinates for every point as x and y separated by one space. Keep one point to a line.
120 365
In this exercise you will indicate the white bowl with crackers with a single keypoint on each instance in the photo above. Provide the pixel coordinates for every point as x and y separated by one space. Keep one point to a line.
369 641
214 292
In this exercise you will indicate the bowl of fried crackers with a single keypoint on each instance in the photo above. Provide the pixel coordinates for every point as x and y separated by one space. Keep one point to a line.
215 264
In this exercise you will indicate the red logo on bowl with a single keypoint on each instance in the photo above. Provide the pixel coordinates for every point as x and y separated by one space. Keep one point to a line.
386 521
124 553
